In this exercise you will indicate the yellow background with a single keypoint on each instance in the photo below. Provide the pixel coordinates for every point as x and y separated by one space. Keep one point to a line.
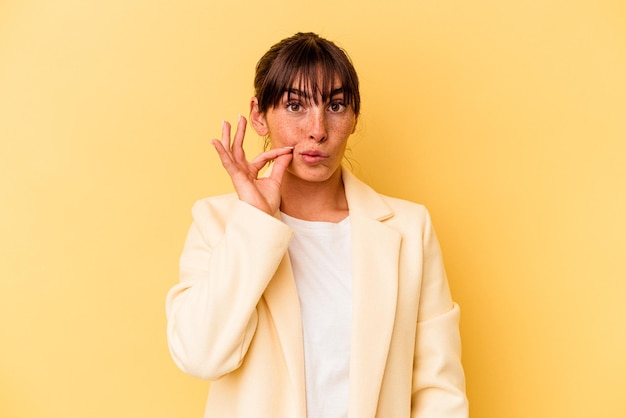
506 118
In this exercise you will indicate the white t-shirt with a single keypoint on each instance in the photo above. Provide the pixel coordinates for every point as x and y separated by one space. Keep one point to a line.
322 265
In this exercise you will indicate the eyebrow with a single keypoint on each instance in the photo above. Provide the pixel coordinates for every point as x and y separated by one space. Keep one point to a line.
305 95
297 92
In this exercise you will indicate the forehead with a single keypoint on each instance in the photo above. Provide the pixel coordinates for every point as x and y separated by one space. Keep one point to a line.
315 85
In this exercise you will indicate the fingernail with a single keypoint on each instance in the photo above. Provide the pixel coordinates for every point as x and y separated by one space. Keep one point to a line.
289 147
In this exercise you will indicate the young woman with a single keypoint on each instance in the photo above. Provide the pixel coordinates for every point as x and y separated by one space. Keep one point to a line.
306 293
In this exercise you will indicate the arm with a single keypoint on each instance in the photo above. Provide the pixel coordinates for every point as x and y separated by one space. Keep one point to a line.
438 378
229 258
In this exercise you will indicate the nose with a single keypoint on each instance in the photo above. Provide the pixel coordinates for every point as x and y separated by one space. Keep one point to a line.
317 125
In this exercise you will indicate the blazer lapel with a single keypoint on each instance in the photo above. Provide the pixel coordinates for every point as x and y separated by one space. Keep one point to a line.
282 300
375 251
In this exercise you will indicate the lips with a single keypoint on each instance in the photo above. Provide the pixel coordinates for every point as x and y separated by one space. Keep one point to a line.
313 156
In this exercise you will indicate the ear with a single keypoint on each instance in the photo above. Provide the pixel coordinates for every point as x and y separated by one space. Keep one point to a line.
259 123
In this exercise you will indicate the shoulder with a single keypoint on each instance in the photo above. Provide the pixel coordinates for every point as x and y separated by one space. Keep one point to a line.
409 218
214 214
406 211
402 206
214 206
363 199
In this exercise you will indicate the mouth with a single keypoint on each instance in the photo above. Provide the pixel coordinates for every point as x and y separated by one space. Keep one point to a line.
313 156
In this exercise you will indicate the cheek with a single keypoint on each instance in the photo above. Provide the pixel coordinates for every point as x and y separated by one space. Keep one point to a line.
345 128
287 131
282 135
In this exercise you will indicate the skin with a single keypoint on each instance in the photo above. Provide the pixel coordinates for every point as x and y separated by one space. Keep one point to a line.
308 143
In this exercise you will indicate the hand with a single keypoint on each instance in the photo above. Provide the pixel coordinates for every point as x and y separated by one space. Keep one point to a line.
262 193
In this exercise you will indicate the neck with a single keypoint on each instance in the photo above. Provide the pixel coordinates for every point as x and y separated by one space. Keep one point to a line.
323 201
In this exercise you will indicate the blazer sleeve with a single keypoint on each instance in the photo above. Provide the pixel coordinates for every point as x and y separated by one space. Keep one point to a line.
230 256
438 377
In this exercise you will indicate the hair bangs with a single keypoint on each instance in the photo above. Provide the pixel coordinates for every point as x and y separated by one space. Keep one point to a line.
314 67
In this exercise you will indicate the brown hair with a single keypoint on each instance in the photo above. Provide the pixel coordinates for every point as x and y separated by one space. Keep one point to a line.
311 62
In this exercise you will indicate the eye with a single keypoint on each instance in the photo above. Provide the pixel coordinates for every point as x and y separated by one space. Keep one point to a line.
294 106
337 107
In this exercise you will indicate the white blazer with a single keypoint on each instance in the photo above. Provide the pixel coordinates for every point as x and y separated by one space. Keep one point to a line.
234 318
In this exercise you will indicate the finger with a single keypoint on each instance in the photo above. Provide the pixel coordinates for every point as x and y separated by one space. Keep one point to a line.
237 146
268 156
226 135
224 155
280 165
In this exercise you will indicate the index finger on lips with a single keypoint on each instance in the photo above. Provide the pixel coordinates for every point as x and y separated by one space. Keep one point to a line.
280 165
270 155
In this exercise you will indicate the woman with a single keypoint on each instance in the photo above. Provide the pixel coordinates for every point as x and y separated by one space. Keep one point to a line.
306 293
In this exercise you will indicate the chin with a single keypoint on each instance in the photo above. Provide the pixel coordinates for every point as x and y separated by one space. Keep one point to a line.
315 174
